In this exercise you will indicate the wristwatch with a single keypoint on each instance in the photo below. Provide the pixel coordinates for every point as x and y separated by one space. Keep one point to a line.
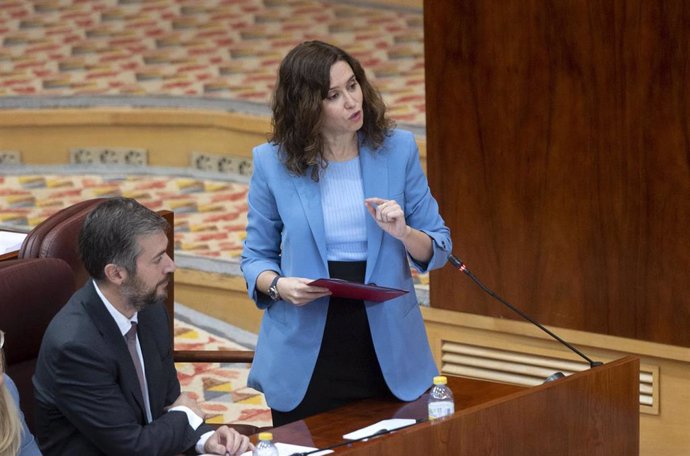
273 289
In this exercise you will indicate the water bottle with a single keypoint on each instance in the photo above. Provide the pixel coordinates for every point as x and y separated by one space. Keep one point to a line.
265 447
441 401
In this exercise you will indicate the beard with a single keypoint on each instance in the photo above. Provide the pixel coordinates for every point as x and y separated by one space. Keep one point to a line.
139 297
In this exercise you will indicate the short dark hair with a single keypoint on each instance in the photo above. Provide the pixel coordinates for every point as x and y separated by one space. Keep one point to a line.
109 234
303 83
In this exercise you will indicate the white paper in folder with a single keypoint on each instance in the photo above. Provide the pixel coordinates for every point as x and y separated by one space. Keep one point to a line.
380 427
10 241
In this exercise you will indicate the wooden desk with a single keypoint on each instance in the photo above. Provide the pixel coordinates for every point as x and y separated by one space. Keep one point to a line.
9 256
589 413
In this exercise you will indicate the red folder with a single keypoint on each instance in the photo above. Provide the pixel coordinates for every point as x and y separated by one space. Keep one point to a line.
353 290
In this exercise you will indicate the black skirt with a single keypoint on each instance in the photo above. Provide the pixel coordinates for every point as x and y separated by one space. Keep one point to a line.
346 369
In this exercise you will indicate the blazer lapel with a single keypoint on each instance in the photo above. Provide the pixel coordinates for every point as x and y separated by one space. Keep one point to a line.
113 338
375 183
310 197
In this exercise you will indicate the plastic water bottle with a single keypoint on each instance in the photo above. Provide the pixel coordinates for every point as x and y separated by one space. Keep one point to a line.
441 401
265 447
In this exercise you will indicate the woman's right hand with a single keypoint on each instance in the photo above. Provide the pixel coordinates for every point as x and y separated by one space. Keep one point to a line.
296 290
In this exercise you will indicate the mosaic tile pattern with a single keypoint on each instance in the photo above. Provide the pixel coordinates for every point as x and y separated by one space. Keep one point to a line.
221 388
210 215
227 49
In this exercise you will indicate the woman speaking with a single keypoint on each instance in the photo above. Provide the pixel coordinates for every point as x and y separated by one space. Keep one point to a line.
337 192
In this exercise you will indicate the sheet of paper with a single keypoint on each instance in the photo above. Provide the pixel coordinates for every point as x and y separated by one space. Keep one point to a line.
385 425
286 449
10 241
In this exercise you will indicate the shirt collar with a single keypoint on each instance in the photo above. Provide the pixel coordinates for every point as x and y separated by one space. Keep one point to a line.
124 324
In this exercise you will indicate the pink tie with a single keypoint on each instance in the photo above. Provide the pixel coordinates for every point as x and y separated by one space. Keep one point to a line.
131 337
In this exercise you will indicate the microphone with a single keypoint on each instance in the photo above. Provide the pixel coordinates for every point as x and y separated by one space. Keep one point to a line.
457 263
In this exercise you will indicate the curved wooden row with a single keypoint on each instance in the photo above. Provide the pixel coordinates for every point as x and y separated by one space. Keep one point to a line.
45 136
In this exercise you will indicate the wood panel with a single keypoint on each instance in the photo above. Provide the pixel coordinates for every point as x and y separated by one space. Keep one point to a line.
663 431
559 150
592 412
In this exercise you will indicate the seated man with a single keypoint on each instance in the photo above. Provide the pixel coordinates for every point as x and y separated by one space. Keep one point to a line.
105 380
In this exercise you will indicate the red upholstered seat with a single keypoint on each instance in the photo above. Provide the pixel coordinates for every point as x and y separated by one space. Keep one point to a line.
31 293
58 236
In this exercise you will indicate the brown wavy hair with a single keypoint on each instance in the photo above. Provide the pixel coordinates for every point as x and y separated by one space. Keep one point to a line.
304 79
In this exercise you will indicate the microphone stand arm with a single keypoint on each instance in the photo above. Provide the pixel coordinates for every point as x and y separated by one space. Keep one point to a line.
457 263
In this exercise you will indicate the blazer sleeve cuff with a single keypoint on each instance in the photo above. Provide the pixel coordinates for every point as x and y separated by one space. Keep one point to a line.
202 442
251 273
441 246
193 419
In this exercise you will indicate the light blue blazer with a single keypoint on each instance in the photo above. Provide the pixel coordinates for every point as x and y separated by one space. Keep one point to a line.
285 233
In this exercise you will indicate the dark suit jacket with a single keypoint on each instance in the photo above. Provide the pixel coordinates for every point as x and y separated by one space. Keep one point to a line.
88 395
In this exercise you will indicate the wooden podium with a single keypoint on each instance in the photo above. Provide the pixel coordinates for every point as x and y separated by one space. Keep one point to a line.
591 413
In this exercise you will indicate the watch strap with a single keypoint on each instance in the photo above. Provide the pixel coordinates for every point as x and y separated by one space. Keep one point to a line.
273 288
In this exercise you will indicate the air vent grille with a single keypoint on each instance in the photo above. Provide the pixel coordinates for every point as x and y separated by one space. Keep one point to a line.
529 370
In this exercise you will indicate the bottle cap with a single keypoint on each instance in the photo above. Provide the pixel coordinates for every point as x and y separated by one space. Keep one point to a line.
440 380
265 436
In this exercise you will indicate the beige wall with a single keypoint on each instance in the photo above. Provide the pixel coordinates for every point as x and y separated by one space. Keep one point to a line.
169 135
45 136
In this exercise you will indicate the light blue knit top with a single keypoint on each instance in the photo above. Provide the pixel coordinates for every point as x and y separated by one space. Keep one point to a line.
344 213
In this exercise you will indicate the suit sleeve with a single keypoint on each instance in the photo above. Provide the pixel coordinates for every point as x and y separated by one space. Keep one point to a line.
86 391
170 375
264 226
422 212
